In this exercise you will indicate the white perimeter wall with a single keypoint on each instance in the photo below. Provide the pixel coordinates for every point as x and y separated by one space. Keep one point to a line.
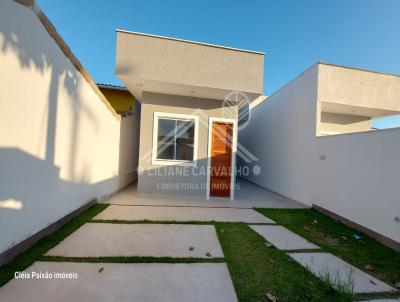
281 133
359 178
60 146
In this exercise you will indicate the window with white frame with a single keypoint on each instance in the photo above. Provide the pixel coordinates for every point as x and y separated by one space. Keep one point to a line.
174 138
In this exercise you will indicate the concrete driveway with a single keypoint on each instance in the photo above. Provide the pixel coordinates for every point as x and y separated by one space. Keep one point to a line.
197 282
65 281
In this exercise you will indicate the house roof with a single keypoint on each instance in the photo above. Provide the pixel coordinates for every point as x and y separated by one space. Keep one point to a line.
189 41
173 66
111 86
358 68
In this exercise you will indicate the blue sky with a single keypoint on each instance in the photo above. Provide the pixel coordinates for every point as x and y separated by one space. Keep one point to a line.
294 33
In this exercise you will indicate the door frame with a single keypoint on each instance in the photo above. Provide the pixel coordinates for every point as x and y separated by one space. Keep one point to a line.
211 120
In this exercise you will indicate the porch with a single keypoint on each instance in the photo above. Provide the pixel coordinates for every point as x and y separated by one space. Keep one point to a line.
247 196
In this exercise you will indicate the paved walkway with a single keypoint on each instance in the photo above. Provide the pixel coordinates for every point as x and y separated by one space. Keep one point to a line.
156 213
143 240
247 196
139 282
324 265
282 238
168 281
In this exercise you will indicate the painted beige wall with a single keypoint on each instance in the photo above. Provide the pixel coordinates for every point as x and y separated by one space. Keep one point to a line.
60 145
154 175
358 87
172 61
333 123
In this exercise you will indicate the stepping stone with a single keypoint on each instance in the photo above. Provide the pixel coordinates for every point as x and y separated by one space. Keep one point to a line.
382 300
164 282
340 273
282 238
155 240
182 214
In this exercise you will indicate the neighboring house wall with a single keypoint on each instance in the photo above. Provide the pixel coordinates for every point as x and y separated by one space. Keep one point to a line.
334 123
349 98
121 100
353 175
280 133
358 88
155 178
61 144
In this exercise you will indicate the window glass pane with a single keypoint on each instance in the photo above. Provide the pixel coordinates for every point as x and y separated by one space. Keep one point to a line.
166 152
175 139
166 139
184 140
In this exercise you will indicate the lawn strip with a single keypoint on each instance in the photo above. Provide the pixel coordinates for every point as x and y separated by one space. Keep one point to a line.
146 221
257 269
304 251
334 237
133 259
376 296
26 258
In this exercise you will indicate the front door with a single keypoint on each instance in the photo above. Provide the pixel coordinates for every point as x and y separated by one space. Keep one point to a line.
221 159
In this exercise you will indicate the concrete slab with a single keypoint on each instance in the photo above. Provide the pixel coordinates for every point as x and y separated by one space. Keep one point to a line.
182 214
247 195
382 300
124 282
340 272
282 238
156 240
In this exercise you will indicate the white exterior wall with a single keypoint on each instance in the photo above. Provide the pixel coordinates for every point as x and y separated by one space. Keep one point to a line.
359 179
60 146
281 133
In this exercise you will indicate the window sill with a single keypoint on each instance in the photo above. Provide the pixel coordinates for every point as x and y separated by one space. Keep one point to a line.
174 163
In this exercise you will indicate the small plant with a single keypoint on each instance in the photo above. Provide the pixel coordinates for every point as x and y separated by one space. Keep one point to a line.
344 285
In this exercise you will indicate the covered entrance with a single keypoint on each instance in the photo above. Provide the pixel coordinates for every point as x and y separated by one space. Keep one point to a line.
221 154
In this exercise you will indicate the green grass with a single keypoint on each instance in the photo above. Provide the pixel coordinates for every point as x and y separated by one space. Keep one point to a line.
121 259
257 269
327 233
26 258
146 221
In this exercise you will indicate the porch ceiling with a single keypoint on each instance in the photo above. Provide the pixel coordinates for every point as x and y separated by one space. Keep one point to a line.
332 107
137 85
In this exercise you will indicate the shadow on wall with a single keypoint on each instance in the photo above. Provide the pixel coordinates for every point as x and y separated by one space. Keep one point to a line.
36 55
32 194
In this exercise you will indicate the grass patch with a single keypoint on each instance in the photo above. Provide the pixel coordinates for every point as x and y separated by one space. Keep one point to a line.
146 221
257 269
26 258
338 239
131 259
